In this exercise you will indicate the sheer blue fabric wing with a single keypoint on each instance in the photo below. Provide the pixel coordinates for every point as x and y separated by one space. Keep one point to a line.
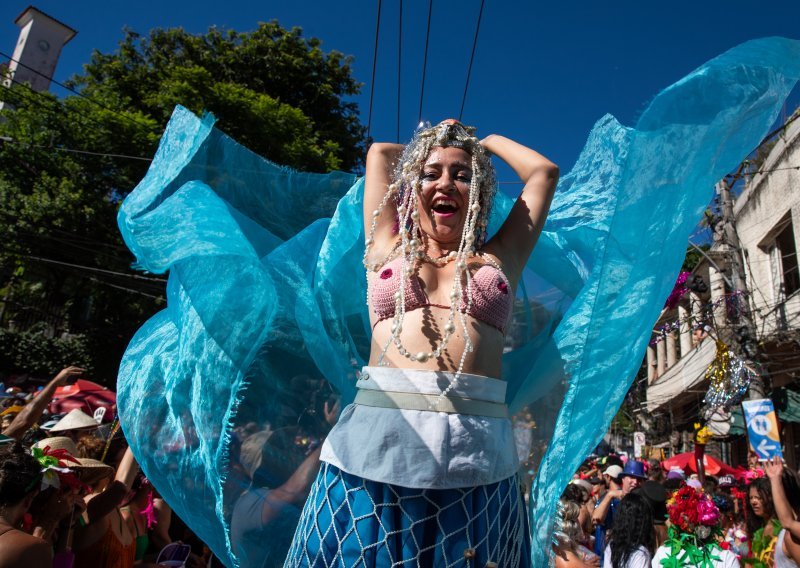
223 391
626 211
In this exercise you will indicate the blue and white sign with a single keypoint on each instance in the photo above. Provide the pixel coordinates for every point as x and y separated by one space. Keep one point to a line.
762 428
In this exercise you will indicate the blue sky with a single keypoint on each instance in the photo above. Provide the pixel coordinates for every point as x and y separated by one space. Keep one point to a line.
543 72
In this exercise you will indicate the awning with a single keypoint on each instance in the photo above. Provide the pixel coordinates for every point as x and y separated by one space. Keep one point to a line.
688 372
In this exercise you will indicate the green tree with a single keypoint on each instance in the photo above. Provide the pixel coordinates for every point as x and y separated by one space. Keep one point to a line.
63 172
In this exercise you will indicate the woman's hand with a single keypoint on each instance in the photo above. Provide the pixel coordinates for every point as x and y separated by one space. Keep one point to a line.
774 468
65 374
332 411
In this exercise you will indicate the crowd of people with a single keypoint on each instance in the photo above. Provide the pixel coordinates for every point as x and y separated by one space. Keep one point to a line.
72 494
633 514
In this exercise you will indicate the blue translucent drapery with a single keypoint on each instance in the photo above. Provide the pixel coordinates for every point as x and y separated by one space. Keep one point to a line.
222 392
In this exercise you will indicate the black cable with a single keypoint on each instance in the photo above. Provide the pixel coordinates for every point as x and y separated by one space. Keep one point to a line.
399 66
70 89
35 97
425 60
471 58
374 66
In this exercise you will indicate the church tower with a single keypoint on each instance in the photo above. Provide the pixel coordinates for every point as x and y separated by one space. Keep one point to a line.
41 38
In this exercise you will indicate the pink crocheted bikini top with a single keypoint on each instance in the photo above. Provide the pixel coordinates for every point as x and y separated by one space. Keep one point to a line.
491 295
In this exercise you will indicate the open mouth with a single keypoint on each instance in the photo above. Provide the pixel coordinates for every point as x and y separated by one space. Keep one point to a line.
444 207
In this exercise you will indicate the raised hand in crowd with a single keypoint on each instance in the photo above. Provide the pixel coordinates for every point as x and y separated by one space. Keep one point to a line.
32 411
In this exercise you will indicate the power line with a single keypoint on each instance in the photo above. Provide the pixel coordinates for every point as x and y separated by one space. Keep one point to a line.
36 98
131 290
93 269
425 60
374 66
471 58
70 89
399 66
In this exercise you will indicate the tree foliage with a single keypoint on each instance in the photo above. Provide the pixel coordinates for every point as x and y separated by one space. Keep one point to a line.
273 90
67 163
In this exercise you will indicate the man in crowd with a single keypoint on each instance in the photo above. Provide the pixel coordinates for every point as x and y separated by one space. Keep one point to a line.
620 482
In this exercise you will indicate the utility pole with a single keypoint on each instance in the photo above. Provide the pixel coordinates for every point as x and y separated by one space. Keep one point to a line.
745 331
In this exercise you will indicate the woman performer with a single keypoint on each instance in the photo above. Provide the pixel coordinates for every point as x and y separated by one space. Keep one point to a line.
429 430
264 290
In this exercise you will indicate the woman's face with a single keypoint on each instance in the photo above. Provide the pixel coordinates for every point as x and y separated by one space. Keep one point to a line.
756 503
444 198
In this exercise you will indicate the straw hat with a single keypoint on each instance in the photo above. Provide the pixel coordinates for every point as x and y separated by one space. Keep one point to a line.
75 420
88 469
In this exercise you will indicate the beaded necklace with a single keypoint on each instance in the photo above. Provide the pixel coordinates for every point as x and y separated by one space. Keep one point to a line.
413 252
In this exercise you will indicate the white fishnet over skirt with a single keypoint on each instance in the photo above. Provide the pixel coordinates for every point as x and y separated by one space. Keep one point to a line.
350 522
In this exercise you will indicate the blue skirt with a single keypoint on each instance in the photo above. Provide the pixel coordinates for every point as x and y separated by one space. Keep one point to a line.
349 522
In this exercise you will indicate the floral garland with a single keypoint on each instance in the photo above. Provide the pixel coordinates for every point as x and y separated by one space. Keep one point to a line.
694 531
763 547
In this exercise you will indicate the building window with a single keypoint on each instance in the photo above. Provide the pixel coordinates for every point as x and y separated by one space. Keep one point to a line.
784 260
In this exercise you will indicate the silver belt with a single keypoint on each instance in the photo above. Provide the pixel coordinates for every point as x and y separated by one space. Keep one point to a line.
430 402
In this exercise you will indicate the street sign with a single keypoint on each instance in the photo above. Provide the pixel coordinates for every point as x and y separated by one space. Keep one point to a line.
638 444
762 428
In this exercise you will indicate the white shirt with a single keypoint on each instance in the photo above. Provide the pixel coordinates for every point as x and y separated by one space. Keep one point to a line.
727 559
422 449
640 558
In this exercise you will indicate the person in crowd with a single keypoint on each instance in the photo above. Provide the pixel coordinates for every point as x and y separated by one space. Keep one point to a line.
632 476
605 507
763 526
568 536
75 425
30 414
785 488
259 508
103 539
675 478
654 471
754 464
694 534
20 480
139 514
632 539
577 492
656 496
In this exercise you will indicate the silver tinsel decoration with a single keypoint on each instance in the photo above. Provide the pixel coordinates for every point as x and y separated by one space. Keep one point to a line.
729 378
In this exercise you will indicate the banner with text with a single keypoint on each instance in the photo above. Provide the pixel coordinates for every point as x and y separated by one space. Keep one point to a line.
762 428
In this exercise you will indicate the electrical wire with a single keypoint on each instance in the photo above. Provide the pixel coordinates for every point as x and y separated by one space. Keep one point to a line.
374 67
425 60
36 98
399 66
94 269
76 92
471 59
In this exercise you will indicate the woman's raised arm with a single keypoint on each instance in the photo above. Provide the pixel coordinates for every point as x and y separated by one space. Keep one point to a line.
515 240
381 160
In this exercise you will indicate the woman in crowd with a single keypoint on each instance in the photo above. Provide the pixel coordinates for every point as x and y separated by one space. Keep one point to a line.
139 515
632 538
20 479
763 526
570 552
786 499
103 539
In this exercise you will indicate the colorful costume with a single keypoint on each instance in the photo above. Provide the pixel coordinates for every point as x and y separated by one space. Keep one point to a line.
266 298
